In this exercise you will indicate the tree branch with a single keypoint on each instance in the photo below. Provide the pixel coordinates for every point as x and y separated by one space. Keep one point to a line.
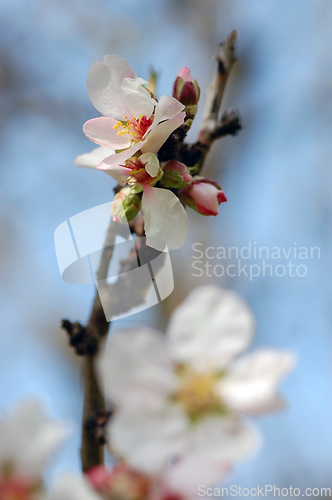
225 60
127 292
212 127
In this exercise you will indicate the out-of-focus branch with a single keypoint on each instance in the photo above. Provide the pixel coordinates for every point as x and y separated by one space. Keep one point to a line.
127 292
213 127
225 60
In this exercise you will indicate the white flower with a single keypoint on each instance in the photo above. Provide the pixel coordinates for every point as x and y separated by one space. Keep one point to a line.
135 122
132 121
165 219
182 395
28 439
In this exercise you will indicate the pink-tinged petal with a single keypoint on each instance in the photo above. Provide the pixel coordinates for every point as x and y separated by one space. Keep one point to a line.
164 218
210 328
252 382
134 360
137 98
114 165
167 107
104 86
148 439
93 159
160 134
101 131
185 74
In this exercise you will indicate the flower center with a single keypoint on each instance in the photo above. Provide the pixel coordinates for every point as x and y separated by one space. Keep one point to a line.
197 394
136 127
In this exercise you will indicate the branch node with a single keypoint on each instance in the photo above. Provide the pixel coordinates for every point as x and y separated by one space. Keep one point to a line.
83 339
95 424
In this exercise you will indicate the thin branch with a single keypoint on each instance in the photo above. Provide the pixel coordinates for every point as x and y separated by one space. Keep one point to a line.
212 127
120 297
96 329
225 60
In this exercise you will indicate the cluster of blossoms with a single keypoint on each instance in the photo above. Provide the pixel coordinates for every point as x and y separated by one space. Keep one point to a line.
181 399
134 127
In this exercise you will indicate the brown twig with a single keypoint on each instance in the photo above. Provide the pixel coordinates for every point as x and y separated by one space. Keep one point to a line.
127 292
95 330
225 60
212 127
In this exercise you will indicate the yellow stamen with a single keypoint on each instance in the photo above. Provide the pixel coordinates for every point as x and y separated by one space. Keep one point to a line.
197 394
117 125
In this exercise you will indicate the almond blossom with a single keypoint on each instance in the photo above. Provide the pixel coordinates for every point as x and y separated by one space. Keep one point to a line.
165 219
184 395
133 119
28 439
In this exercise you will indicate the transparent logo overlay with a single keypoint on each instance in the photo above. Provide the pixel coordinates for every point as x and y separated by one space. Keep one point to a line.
138 276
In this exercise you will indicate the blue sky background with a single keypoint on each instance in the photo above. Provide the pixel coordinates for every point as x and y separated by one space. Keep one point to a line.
276 175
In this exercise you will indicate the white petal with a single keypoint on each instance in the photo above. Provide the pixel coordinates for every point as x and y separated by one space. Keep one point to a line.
73 487
101 131
137 98
104 86
146 440
93 159
186 474
152 163
251 384
275 404
31 438
226 439
136 359
164 218
210 327
167 107
159 134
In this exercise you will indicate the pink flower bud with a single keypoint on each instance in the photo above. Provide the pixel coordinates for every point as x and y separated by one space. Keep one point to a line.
204 196
176 175
100 478
186 89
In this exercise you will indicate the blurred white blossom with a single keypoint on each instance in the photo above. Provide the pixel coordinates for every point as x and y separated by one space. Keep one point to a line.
183 395
28 438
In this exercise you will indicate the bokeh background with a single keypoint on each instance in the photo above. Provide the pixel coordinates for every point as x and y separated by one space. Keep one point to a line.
276 174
